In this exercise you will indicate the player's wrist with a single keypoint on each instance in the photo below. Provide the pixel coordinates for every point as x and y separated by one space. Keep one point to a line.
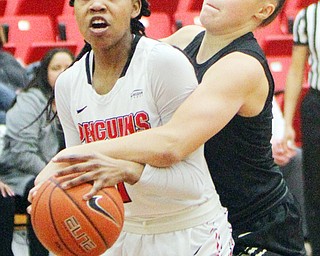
132 172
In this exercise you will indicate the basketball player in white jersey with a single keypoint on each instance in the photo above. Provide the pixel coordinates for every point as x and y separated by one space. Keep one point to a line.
231 110
124 83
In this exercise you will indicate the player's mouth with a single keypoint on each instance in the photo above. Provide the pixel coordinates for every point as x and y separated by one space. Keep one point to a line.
98 25
211 5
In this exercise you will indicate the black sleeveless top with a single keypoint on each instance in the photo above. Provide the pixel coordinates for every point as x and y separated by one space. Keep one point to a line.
240 155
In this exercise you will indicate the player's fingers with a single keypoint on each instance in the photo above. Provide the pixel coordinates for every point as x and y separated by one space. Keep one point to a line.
3 192
77 181
33 191
94 190
9 191
29 209
75 169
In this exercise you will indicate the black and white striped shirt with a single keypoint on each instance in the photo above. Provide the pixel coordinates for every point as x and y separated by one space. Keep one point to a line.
306 31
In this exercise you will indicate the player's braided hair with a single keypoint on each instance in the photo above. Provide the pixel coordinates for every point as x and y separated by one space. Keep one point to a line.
137 27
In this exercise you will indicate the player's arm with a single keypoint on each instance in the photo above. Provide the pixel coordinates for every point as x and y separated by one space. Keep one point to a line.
225 91
293 88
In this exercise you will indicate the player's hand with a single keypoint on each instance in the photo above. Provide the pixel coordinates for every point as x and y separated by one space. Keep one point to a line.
282 155
5 190
102 170
32 194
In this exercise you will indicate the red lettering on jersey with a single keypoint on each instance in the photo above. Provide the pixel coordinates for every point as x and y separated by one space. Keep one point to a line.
88 131
120 126
112 130
100 130
142 121
81 134
126 125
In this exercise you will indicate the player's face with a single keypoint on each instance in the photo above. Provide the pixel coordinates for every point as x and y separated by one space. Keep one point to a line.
58 64
225 16
104 22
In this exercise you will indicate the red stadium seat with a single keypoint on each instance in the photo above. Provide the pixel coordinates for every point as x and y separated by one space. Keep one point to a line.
25 30
158 25
279 66
164 6
167 6
67 9
190 5
278 50
37 50
278 44
9 47
69 30
274 28
11 7
35 7
3 4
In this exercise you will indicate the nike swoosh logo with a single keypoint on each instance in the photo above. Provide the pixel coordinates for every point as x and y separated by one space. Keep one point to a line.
94 204
81 109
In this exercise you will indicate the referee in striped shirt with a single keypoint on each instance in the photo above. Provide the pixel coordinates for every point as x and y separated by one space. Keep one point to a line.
306 38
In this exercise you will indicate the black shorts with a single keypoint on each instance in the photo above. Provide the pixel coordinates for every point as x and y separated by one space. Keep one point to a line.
278 232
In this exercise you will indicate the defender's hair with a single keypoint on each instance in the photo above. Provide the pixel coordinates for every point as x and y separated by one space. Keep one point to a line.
277 10
137 27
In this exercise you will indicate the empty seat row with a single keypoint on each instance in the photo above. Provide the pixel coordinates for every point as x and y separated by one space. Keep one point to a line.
29 37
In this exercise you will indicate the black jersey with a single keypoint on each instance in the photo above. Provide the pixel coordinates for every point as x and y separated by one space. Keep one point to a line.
240 155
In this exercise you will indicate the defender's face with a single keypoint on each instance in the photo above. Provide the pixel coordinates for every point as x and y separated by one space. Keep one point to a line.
226 15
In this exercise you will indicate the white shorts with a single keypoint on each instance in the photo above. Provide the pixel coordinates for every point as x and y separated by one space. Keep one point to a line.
210 239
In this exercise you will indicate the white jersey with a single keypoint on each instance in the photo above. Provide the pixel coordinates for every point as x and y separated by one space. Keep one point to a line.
156 80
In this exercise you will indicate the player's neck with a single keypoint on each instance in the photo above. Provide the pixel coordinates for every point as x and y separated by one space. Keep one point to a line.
213 43
114 54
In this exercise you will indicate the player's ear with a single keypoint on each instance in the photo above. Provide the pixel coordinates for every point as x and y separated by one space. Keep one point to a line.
136 8
266 10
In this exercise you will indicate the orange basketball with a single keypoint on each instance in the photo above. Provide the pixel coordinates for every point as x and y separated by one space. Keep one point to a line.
67 225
